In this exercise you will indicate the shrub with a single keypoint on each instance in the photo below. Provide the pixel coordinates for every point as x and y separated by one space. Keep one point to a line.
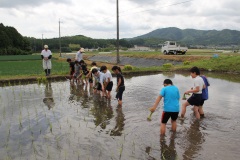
186 63
128 68
167 65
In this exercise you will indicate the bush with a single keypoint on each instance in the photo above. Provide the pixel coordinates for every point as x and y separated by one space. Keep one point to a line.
186 63
167 65
128 68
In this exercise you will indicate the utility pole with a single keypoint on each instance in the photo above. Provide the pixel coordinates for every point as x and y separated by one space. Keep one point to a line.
60 48
42 41
117 45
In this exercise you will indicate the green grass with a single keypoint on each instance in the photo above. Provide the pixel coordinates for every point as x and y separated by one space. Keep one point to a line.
222 63
20 57
30 68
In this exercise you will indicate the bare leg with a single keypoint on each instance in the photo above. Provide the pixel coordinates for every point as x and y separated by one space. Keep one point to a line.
196 112
163 128
184 106
109 94
201 111
120 102
174 126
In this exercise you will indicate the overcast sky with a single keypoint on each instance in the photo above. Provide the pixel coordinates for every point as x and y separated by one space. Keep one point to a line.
97 18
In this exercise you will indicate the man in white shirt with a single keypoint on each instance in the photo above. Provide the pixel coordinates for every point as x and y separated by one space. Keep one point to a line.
196 91
79 55
46 55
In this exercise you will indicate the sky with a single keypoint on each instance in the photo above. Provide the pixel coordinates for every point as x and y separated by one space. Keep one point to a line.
97 18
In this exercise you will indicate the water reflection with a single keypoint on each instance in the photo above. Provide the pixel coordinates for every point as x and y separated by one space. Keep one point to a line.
48 99
76 92
192 141
168 151
120 118
102 111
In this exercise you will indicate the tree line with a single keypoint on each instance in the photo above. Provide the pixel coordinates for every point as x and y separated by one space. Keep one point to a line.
12 42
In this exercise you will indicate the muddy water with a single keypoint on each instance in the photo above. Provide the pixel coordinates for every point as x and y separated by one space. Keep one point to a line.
62 121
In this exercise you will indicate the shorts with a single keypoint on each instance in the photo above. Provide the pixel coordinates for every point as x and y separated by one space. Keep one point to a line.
90 80
99 86
195 100
167 115
85 72
202 102
109 86
72 73
120 92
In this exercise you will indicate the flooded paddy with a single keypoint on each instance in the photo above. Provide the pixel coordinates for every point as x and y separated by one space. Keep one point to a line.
62 121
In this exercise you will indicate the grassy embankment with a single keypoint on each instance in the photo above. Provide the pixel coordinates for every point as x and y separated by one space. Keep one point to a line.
12 67
204 59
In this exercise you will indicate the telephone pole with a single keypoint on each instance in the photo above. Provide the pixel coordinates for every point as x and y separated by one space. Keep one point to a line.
42 41
117 45
60 48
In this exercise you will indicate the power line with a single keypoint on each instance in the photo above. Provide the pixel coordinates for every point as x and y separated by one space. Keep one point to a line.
127 13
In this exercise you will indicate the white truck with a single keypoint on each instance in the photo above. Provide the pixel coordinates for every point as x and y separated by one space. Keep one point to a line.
170 47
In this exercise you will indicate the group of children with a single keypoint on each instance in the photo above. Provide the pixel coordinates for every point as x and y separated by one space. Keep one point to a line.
100 79
171 96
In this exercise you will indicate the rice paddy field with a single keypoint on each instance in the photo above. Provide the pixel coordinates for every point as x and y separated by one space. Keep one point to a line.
60 121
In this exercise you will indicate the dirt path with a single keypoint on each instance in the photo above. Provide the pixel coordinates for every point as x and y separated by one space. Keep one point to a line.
137 62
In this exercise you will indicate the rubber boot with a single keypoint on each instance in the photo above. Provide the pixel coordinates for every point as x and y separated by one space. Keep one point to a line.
49 71
45 71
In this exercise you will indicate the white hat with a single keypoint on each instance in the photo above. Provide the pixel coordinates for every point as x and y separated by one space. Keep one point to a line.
82 50
45 46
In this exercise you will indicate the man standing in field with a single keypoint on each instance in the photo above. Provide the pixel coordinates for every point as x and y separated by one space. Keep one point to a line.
46 55
79 55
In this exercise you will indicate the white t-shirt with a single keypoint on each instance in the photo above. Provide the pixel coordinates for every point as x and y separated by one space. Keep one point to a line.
108 75
46 53
78 56
198 81
101 77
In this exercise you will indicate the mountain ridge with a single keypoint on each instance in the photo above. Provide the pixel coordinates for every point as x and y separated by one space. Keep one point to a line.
194 36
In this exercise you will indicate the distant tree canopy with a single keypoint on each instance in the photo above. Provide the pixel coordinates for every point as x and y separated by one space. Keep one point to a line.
75 42
12 42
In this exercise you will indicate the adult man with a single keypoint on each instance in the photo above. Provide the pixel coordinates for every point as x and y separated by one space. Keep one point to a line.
79 55
46 55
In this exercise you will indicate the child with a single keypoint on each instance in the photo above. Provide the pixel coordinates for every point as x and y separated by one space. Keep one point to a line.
196 97
100 78
90 75
171 96
108 81
71 65
120 84
84 70
204 95
77 71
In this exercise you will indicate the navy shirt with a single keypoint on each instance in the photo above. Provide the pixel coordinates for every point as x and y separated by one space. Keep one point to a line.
120 76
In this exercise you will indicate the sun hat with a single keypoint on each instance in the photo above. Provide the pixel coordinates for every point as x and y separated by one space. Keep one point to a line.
45 46
82 50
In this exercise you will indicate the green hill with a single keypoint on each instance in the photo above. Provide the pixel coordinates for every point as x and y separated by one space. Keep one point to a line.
193 36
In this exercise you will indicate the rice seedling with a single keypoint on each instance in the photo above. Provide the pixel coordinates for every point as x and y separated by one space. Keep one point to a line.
48 153
50 125
65 154
20 120
149 117
4 112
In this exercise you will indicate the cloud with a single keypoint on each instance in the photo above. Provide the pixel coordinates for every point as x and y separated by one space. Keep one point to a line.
33 3
97 18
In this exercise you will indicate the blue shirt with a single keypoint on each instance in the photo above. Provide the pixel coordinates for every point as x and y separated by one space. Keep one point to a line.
171 98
